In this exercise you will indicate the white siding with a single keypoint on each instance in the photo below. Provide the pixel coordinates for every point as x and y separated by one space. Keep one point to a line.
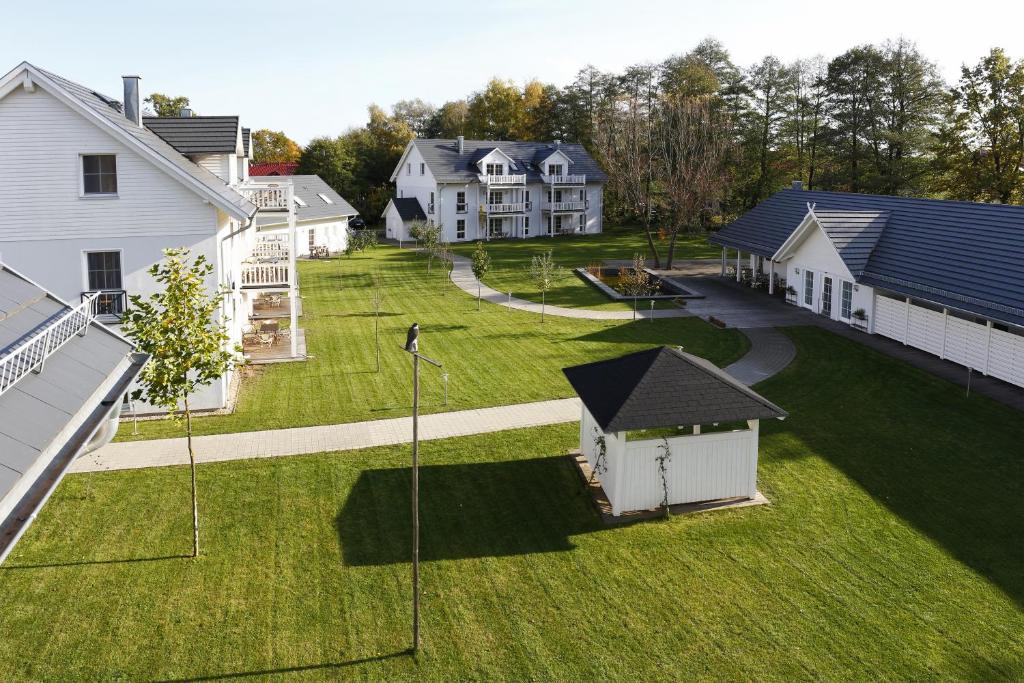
224 166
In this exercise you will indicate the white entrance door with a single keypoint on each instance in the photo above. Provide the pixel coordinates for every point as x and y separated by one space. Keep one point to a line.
808 288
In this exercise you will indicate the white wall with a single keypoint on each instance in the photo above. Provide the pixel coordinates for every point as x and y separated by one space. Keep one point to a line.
817 254
224 166
330 233
416 185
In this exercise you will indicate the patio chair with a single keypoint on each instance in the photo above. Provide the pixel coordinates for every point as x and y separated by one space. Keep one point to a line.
266 339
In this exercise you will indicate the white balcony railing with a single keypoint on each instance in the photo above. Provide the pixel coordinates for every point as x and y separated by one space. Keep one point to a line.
270 250
565 206
32 352
514 207
265 275
519 179
269 198
575 179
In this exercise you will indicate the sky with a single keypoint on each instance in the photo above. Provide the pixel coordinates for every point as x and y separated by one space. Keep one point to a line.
311 67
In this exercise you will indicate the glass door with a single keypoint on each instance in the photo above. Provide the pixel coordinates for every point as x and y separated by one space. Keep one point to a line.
826 296
808 288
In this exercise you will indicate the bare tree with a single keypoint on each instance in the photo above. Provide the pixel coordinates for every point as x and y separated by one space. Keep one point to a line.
696 145
377 298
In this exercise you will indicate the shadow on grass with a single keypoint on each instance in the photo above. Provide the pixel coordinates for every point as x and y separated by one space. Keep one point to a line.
288 670
947 465
471 510
83 563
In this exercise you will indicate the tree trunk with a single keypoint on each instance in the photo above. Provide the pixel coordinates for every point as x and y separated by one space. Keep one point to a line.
650 241
192 465
477 295
543 297
671 249
376 333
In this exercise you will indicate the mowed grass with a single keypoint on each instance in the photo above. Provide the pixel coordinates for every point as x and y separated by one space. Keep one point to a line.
495 356
510 262
891 551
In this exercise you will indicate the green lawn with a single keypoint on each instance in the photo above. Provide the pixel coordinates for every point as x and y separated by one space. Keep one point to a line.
891 551
493 357
510 260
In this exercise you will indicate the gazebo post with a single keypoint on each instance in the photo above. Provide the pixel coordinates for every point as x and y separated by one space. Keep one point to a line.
755 427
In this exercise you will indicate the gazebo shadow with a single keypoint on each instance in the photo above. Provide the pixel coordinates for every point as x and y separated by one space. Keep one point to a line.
470 510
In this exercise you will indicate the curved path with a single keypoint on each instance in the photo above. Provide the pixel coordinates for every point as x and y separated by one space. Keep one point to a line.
462 276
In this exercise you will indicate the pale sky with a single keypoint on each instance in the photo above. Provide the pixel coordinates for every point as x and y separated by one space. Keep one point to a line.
311 67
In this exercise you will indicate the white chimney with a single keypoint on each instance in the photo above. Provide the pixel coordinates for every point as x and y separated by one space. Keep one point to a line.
798 184
132 110
462 144
185 113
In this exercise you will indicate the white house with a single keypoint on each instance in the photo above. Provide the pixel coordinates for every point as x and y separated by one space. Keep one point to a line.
62 379
943 276
94 192
321 215
707 423
479 189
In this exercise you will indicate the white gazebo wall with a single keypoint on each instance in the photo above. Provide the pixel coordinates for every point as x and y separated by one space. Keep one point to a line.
614 444
702 467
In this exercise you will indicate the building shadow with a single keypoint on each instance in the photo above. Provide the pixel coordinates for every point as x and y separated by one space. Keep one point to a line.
470 510
305 668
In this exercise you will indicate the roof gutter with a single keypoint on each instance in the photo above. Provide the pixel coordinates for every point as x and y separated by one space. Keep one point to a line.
85 438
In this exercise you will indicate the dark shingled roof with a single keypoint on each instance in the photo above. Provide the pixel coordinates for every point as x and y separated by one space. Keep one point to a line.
854 234
245 141
196 134
409 208
664 387
447 165
964 255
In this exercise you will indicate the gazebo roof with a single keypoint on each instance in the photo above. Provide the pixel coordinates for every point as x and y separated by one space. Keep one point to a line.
664 387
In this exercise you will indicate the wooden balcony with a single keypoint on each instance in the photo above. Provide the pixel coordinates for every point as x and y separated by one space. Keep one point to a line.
571 179
266 276
267 198
506 180
505 208
565 207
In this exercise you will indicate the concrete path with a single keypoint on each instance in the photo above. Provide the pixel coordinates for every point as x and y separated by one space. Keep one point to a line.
770 352
462 276
339 437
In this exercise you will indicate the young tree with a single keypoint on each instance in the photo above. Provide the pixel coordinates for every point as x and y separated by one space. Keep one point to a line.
697 144
377 297
188 348
273 145
429 237
166 106
481 264
544 271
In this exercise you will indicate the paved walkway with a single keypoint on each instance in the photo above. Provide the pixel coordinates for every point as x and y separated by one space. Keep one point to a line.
462 276
770 352
339 437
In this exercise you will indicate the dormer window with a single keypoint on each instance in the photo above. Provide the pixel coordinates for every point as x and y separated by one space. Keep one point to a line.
495 169
554 169
327 200
99 174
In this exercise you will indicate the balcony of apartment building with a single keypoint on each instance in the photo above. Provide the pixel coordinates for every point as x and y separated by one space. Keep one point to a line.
559 206
503 179
564 180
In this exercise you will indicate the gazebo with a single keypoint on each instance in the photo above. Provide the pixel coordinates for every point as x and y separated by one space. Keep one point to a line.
663 425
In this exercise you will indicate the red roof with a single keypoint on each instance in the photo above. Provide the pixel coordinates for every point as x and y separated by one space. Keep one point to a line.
274 168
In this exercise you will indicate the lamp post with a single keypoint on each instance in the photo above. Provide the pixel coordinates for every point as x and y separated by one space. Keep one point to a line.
412 346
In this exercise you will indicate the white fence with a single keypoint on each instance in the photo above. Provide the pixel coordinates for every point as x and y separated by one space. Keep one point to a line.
568 179
701 467
265 275
987 350
267 198
37 347
514 179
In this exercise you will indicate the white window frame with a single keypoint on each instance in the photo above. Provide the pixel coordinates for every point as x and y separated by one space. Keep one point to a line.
845 304
808 288
555 169
408 168
827 292
493 223
461 202
460 228
85 272
583 222
495 169
423 168
82 194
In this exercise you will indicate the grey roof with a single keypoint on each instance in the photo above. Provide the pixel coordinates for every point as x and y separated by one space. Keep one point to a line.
664 387
448 166
409 208
964 255
246 136
854 234
41 414
308 188
111 110
196 134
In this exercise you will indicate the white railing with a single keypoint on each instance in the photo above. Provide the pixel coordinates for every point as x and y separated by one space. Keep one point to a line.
515 207
267 198
565 206
519 179
30 354
270 250
265 275
572 179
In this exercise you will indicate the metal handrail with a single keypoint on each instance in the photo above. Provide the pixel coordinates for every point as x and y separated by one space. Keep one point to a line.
31 354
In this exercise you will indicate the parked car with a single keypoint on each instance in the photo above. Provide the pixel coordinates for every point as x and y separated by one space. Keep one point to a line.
357 223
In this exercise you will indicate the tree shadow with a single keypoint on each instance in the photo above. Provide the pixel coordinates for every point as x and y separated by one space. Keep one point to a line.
288 670
83 563
470 510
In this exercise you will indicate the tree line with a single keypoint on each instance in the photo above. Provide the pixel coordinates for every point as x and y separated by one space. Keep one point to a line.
875 119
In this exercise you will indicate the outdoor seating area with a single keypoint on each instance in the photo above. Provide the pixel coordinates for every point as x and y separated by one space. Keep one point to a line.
273 305
269 341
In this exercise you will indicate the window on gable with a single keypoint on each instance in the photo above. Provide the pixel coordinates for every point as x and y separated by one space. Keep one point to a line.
408 169
423 169
99 174
554 169
327 200
495 169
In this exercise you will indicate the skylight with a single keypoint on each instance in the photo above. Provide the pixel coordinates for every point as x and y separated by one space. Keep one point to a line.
327 200
299 201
